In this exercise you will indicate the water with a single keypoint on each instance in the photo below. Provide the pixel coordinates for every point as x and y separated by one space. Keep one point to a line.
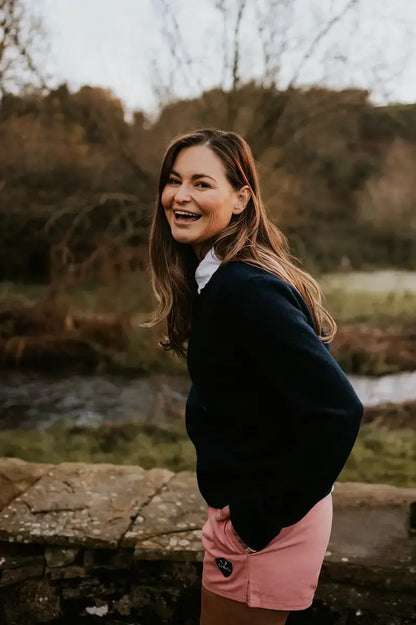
396 388
29 401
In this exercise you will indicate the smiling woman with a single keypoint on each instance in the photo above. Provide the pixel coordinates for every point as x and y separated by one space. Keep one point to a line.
271 414
198 199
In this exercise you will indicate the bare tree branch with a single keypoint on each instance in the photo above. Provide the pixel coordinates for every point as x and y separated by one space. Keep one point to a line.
21 36
236 51
272 26
319 37
222 8
173 37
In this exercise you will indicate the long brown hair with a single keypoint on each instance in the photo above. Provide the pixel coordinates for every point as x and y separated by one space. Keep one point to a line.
250 237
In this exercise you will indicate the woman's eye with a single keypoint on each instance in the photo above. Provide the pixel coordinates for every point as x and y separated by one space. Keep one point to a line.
175 182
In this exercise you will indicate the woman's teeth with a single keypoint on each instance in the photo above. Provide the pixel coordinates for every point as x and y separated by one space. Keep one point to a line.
186 216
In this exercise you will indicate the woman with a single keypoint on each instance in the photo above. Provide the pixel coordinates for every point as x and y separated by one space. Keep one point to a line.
271 414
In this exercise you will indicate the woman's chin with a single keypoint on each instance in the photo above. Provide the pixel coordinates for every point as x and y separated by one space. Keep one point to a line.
183 236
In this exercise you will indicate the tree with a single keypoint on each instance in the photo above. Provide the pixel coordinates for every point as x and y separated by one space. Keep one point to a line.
258 41
21 37
280 45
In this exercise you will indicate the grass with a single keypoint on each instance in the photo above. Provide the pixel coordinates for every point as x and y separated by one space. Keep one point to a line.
379 281
381 454
145 445
374 297
376 309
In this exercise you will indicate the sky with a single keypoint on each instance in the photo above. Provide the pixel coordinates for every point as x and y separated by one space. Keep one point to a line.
122 46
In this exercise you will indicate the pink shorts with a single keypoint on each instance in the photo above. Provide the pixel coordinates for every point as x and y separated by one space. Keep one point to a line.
282 576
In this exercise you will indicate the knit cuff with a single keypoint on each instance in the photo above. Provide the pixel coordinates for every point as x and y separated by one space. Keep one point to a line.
251 524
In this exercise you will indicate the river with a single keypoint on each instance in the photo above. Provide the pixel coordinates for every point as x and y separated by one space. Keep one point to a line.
29 401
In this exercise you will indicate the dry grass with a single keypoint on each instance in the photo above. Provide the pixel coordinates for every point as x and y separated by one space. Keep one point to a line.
96 327
361 348
87 329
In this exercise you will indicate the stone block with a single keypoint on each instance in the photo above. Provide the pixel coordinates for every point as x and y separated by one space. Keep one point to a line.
169 526
65 572
59 556
371 526
81 504
13 576
16 476
359 494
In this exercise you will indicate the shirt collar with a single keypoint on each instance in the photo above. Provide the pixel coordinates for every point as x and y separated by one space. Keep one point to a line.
208 265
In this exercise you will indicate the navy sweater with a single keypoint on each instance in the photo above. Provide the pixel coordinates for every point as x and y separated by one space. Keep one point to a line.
271 414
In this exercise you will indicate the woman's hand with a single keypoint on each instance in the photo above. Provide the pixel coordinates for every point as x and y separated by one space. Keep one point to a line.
224 515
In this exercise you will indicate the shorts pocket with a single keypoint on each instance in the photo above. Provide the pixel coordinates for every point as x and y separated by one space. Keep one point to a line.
229 531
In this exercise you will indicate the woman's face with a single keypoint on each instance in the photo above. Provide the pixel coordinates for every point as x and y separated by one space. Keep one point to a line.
198 199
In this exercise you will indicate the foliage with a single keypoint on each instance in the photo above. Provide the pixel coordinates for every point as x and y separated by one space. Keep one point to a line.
78 181
94 329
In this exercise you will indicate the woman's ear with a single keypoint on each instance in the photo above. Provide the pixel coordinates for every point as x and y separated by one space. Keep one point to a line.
241 200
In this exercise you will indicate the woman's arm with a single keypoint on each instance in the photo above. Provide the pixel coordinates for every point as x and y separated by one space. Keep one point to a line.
264 316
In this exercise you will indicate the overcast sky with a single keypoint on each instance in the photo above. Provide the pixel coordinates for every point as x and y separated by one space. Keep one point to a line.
119 45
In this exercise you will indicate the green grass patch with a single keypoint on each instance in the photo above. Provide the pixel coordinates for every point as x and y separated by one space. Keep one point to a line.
377 309
145 445
381 455
376 297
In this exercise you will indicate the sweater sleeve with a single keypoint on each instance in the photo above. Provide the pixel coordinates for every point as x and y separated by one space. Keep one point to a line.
265 317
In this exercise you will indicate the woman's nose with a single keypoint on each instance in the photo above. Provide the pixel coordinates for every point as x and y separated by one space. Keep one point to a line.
182 194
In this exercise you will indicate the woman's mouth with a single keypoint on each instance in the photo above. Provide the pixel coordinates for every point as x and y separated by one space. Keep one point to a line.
184 217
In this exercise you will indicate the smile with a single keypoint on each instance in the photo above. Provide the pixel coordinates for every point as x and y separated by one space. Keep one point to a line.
182 216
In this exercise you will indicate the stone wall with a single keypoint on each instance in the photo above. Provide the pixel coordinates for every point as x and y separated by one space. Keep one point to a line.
112 544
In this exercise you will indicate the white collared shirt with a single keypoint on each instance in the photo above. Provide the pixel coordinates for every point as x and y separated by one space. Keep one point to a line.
208 265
